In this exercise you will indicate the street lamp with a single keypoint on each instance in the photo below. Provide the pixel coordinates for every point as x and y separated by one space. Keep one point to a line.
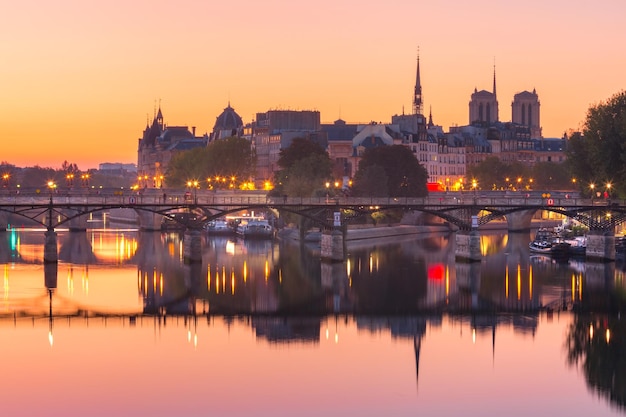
474 185
70 180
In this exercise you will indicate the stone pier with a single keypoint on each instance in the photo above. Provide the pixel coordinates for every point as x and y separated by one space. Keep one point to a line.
50 250
600 245
332 246
468 246
192 246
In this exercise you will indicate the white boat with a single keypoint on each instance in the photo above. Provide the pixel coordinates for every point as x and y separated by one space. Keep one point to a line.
219 227
256 229
547 242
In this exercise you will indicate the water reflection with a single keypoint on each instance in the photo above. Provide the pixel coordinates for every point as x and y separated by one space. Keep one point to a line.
596 344
408 289
266 277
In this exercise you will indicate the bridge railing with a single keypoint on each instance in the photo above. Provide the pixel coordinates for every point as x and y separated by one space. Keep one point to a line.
178 197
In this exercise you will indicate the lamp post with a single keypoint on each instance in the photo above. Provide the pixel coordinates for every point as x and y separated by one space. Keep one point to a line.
592 187
69 178
51 187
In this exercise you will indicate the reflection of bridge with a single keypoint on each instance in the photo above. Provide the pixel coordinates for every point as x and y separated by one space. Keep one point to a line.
465 212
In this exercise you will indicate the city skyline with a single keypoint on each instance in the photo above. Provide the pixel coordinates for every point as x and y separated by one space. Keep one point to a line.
80 81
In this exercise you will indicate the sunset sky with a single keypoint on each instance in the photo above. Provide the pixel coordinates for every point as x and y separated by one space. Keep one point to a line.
79 79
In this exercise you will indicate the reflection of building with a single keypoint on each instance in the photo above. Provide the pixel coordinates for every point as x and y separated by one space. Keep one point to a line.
285 330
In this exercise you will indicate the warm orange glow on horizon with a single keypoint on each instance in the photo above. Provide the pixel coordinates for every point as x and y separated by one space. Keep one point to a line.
73 81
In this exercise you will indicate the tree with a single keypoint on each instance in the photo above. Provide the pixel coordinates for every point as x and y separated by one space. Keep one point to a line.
305 165
406 177
551 176
598 154
371 181
300 148
493 174
223 159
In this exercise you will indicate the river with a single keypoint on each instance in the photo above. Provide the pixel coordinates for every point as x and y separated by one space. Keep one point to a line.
123 326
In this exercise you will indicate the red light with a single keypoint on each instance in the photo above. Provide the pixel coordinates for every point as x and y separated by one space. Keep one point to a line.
436 272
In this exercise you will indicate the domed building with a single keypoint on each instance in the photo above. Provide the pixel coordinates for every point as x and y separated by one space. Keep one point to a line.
227 124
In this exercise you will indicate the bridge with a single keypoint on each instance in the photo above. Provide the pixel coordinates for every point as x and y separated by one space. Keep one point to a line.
465 212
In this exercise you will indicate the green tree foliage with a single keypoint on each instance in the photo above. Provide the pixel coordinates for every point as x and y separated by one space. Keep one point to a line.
598 154
230 157
405 175
551 176
299 148
493 174
306 166
371 181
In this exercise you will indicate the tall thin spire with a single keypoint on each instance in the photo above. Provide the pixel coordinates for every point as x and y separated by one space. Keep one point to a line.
494 77
417 96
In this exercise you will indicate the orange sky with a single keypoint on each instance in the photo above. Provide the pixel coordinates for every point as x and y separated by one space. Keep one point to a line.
78 79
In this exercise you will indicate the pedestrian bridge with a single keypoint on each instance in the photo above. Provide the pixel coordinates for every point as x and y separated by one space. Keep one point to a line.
465 212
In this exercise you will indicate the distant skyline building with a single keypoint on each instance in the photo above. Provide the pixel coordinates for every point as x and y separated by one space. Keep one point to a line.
156 147
227 124
483 106
445 155
525 111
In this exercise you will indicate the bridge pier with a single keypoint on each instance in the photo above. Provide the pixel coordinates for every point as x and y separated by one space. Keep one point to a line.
468 246
50 252
468 279
192 246
4 221
332 245
600 245
520 221
78 224
149 221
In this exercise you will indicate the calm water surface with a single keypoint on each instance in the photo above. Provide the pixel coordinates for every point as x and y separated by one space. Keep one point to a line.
122 326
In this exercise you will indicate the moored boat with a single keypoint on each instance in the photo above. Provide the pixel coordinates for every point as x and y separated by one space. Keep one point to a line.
547 242
219 227
256 229
578 245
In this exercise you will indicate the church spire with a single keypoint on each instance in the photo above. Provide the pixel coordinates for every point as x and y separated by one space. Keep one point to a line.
494 79
417 97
